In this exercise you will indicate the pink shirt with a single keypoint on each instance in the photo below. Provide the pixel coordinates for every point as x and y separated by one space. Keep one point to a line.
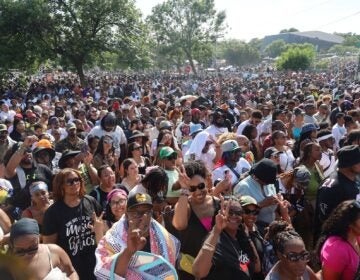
340 256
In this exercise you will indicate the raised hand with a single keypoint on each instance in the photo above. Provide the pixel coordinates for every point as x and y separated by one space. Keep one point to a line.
221 219
98 223
135 241
183 180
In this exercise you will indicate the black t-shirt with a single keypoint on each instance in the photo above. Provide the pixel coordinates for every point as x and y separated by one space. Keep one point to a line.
74 235
21 196
332 192
100 197
233 259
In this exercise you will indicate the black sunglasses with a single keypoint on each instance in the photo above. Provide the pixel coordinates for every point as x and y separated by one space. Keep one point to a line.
73 181
28 251
251 212
295 257
235 212
201 186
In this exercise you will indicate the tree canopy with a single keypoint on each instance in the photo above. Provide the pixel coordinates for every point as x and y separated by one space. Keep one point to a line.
238 53
292 29
187 25
296 58
76 31
275 48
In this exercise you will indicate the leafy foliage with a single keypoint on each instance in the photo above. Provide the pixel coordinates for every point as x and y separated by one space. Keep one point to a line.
296 58
292 29
186 27
275 48
238 53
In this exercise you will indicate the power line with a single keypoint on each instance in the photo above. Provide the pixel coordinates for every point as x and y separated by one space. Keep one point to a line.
340 19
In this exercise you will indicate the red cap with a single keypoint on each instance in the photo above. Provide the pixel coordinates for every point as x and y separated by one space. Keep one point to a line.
194 111
19 116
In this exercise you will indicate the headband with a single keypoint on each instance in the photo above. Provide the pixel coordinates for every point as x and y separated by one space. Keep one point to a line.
116 191
38 186
324 137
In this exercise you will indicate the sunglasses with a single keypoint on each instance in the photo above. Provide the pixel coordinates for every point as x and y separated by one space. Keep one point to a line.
235 212
201 186
172 157
295 257
139 214
28 251
73 181
108 141
251 212
119 202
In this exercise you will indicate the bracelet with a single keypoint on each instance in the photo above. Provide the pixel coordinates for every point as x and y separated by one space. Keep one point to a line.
208 247
184 192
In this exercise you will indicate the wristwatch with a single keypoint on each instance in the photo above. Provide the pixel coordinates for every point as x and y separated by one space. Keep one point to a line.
184 192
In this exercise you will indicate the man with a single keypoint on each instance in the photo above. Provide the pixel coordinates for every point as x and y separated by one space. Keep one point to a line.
273 154
154 131
231 163
328 160
339 130
183 127
136 231
310 110
341 185
5 141
54 123
44 153
72 142
266 129
255 119
339 100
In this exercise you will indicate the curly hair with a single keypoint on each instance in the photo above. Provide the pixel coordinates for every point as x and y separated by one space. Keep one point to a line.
196 167
345 214
282 238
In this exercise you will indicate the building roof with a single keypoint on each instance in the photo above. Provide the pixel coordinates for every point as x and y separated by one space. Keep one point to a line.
321 36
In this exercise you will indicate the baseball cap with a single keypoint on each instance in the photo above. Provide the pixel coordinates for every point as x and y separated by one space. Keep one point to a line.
166 152
165 124
246 200
271 151
230 146
138 199
302 174
70 126
308 127
3 127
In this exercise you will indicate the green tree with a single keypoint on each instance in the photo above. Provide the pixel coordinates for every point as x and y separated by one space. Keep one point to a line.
275 48
239 53
292 29
75 30
296 58
189 25
256 43
342 50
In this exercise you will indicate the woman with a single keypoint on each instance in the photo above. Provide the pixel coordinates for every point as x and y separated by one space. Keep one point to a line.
105 153
115 208
93 142
87 125
107 184
293 258
251 133
131 174
134 152
165 139
228 252
67 222
45 261
141 139
338 246
18 133
287 158
195 211
39 202
202 148
297 124
308 134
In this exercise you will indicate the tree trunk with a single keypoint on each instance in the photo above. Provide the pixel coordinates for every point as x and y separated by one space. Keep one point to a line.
192 65
80 71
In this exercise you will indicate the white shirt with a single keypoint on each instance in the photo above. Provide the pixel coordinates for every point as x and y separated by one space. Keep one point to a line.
242 166
338 132
328 162
287 160
215 132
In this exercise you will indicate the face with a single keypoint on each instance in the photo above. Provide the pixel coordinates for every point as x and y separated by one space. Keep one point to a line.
356 168
255 121
108 177
43 157
250 213
72 132
136 150
26 247
139 217
235 215
293 250
280 139
118 205
341 121
198 189
299 118
40 197
27 158
316 152
94 143
72 184
133 170
235 156
107 142
329 143
20 126
3 136
187 117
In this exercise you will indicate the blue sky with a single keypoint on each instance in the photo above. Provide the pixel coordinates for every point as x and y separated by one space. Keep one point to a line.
257 18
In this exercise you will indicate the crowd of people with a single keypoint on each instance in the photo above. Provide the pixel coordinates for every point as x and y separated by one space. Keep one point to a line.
167 177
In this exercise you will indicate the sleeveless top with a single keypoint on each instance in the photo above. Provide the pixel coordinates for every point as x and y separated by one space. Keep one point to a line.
54 273
275 276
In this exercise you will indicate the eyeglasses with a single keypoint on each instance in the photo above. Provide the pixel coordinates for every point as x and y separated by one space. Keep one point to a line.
108 141
139 214
73 181
201 186
251 212
28 251
295 257
119 202
235 212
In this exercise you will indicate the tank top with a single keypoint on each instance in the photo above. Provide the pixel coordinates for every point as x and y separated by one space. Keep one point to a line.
54 273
